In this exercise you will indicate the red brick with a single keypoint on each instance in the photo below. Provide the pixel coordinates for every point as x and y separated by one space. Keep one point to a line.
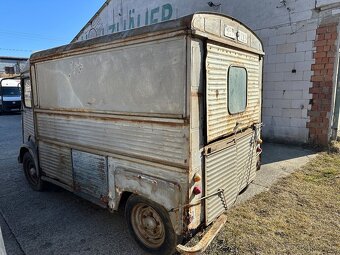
331 60
327 36
328 84
322 140
317 72
326 108
320 54
312 130
324 131
313 114
317 78
321 30
332 28
328 95
317 84
325 102
325 90
329 66
321 43
330 42
323 61
328 77
318 66
314 90
325 48
321 37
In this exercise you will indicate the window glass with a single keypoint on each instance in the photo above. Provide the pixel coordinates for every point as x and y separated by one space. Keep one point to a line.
11 91
27 93
237 89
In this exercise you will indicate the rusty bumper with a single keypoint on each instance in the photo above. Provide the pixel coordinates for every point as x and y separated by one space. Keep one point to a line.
202 245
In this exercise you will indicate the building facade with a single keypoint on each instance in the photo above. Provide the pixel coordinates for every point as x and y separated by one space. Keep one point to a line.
11 66
301 41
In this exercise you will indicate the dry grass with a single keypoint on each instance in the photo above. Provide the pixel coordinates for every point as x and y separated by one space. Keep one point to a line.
298 215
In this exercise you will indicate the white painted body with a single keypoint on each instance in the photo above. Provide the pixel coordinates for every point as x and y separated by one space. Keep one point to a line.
125 113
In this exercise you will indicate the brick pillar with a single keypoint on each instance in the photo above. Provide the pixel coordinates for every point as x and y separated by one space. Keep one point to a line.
322 83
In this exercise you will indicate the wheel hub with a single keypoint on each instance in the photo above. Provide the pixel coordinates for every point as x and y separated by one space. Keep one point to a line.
150 223
32 171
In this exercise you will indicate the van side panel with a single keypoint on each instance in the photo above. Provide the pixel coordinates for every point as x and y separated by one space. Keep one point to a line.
145 78
164 143
115 121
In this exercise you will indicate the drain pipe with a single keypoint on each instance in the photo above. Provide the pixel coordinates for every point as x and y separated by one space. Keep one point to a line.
335 107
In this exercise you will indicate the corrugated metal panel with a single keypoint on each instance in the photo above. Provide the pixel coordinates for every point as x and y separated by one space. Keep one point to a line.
90 174
231 169
219 121
28 123
221 173
246 160
55 162
145 140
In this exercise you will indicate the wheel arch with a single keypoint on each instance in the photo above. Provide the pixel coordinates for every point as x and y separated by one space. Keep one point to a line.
30 147
165 193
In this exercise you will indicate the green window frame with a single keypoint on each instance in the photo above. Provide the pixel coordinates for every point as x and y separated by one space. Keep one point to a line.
237 89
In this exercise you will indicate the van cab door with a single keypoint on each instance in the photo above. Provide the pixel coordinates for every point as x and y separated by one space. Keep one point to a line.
27 111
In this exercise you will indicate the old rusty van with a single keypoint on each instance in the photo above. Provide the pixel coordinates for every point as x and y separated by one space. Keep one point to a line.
163 119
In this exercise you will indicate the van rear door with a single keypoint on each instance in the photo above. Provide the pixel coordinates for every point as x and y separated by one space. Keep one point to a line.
233 102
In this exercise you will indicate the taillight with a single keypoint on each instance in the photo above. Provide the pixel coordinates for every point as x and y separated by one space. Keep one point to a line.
197 190
196 178
258 149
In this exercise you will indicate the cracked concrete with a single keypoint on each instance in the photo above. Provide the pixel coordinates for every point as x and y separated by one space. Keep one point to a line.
58 222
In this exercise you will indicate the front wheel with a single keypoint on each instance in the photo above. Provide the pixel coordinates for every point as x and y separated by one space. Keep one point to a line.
31 172
150 225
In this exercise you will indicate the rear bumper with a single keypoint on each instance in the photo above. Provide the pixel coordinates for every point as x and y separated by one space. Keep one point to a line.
202 245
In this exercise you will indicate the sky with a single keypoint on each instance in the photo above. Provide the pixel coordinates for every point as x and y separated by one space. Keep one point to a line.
27 26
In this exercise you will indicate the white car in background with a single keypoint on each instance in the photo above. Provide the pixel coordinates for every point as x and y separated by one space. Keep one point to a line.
10 95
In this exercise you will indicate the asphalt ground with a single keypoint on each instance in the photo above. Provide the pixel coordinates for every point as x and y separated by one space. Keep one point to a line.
58 222
55 221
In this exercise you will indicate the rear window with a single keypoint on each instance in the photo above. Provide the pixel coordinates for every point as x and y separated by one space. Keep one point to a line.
237 89
11 91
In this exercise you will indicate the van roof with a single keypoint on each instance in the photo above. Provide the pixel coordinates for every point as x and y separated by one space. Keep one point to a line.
193 24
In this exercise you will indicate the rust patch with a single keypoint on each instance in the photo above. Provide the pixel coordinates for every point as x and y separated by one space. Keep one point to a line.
104 199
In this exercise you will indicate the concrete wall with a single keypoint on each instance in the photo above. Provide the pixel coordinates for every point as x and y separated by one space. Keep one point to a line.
288 31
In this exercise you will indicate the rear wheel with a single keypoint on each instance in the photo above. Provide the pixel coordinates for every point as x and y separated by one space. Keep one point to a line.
31 172
150 225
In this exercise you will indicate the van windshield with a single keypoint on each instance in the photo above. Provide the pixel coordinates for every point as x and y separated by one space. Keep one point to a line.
11 91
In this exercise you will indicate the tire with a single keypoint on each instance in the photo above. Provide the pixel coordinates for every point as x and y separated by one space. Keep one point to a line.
31 173
163 239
